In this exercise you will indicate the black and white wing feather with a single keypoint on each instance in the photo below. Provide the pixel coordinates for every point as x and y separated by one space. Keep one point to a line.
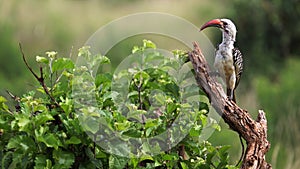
238 64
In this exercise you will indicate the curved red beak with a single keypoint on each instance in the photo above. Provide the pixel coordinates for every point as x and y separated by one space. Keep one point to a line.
213 23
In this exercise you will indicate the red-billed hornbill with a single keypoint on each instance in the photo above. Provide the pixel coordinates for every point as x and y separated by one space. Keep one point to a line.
229 60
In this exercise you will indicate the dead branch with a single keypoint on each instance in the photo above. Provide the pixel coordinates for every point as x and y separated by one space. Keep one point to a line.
253 131
16 99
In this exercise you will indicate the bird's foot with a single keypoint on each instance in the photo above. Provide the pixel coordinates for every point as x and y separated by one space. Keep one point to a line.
229 98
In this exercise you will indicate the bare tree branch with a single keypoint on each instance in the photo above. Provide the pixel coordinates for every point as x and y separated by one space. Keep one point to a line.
253 131
26 63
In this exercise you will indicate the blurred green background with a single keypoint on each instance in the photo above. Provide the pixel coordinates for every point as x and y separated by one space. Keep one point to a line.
268 36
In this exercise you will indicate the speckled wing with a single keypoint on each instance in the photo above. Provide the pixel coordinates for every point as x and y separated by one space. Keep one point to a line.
238 64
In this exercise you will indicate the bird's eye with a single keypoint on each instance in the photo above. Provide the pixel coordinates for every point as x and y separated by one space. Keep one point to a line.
225 23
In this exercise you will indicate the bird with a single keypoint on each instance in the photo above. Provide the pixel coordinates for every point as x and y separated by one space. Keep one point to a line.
228 59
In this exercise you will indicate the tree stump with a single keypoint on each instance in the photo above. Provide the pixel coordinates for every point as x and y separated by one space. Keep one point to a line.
253 131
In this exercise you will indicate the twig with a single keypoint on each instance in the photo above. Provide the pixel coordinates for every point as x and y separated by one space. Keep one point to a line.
14 97
40 79
27 65
253 131
58 79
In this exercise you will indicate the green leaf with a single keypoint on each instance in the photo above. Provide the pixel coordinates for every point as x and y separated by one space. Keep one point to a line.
84 51
6 160
63 159
231 167
51 54
195 132
23 122
179 52
184 165
110 95
223 152
136 115
146 157
41 59
42 118
149 131
116 162
93 159
203 119
61 64
134 162
151 123
170 157
122 126
102 59
135 49
160 98
13 143
3 106
154 57
171 107
102 78
224 149
52 141
210 155
2 99
73 140
22 143
148 44
91 124
141 75
100 154
41 161
173 88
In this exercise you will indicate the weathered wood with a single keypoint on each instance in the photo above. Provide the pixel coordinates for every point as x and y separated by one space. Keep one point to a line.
253 131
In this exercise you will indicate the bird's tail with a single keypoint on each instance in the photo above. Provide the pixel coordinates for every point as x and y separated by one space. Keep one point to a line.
231 94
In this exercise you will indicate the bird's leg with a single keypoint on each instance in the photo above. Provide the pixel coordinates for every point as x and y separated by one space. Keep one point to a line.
231 87
231 94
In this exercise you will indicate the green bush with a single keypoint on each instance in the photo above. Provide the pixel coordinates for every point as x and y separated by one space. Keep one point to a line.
45 131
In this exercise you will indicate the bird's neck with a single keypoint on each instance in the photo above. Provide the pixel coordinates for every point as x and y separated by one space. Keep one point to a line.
228 41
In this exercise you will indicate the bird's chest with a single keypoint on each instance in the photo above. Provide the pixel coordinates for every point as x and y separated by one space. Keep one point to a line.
224 62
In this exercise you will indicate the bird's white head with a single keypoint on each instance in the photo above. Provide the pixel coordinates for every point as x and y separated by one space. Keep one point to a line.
226 25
